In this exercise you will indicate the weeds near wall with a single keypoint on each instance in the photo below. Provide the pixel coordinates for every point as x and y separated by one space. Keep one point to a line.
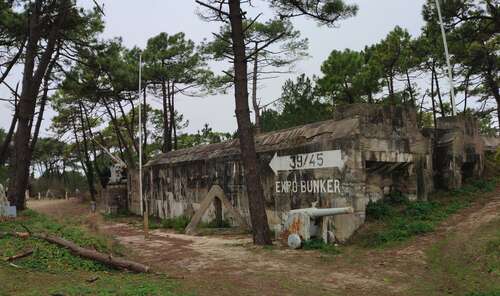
395 219
214 224
319 244
177 223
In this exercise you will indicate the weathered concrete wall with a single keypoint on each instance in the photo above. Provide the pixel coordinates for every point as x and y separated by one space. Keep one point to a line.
458 151
133 197
380 147
113 198
491 144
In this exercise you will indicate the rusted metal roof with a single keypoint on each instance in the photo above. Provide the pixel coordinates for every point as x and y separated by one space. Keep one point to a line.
287 138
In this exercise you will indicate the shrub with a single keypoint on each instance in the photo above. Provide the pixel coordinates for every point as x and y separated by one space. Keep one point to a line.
397 198
214 224
177 223
420 210
401 219
378 210
319 244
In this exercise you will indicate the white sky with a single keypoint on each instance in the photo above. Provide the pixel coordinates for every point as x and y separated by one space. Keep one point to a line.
136 21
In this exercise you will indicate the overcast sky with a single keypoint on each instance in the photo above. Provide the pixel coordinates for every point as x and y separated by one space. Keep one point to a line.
136 21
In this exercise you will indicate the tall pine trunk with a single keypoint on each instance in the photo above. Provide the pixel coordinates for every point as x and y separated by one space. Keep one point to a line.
256 108
173 123
88 162
167 139
32 80
258 216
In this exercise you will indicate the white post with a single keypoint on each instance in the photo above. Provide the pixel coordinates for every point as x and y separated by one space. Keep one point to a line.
144 209
447 55
140 132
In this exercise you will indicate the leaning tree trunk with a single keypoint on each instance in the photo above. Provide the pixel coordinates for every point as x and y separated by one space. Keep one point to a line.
4 151
433 101
410 88
438 91
260 227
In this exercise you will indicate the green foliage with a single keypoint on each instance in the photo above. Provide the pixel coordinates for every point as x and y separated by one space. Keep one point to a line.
319 244
492 252
425 119
130 285
298 105
468 261
279 56
400 230
4 175
385 208
175 59
400 219
52 270
214 224
203 137
75 283
378 210
325 12
177 223
46 256
493 293
349 77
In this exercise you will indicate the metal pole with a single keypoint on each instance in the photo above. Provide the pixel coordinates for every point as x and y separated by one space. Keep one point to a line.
144 207
447 55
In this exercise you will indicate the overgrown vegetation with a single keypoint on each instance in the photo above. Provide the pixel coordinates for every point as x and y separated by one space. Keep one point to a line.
395 219
177 223
319 244
52 270
466 263
46 256
214 224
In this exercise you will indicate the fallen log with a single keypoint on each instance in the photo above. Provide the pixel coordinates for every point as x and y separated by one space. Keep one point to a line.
109 260
19 256
15 234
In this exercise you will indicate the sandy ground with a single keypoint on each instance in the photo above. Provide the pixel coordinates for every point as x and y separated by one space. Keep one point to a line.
231 265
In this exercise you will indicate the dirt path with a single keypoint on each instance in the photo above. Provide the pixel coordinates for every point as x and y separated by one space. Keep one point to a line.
231 265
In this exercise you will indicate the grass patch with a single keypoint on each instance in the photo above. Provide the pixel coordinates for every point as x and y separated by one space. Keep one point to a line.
46 256
52 270
30 283
465 263
177 223
320 245
395 219
119 215
214 224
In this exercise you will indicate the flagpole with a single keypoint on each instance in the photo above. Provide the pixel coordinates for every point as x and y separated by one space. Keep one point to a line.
144 207
447 55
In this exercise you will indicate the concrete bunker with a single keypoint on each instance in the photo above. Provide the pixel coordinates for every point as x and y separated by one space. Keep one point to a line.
458 151
363 153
